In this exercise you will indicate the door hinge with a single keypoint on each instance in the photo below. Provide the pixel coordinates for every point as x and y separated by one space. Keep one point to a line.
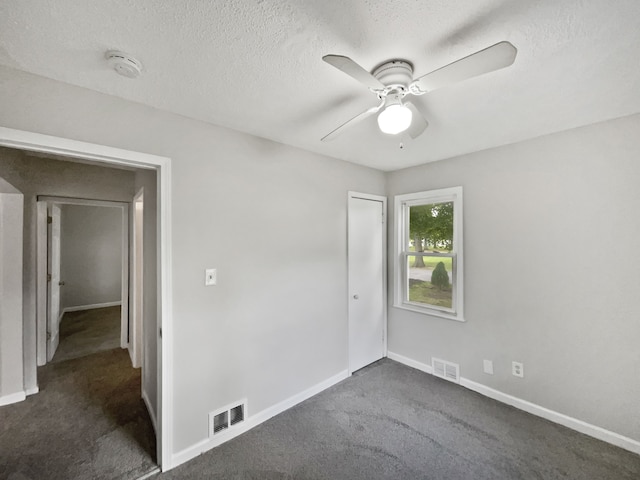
49 219
48 277
48 335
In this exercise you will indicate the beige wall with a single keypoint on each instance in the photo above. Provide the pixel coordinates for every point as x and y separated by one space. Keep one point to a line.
551 272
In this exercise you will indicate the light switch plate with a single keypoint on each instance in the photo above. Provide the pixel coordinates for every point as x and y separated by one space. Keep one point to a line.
210 277
488 366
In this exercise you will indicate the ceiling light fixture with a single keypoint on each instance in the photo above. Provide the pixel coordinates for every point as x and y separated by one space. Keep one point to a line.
395 118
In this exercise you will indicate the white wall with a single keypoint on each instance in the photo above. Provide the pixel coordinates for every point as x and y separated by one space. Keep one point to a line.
41 176
11 214
551 272
91 255
270 218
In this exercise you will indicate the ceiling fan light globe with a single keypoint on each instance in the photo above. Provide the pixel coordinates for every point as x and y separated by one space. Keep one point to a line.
394 119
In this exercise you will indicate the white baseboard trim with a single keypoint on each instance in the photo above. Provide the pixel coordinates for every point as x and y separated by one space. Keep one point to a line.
12 398
152 412
253 421
556 417
410 363
78 308
32 391
553 416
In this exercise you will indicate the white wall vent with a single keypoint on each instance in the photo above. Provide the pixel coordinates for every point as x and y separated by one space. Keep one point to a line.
447 370
226 418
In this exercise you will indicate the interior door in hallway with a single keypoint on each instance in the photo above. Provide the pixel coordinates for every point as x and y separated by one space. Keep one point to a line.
367 285
53 277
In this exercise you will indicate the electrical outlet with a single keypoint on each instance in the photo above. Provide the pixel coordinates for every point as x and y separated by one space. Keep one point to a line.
487 366
517 369
210 277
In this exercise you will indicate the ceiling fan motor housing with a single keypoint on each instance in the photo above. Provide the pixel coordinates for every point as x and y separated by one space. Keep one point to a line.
395 73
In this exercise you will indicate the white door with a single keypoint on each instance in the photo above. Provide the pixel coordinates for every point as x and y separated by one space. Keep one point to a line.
53 300
135 326
366 280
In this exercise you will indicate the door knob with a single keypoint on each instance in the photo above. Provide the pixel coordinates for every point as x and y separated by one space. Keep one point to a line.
61 283
356 297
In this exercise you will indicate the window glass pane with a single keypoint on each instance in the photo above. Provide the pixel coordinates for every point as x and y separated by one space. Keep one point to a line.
431 227
430 280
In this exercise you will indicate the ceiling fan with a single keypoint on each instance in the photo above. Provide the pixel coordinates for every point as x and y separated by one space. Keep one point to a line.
392 81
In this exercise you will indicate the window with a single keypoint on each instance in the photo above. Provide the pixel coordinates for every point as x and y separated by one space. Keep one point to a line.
428 260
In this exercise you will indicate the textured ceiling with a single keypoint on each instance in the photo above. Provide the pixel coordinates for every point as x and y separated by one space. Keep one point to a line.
256 66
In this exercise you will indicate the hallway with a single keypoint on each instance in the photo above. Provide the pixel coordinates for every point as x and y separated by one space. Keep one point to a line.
88 421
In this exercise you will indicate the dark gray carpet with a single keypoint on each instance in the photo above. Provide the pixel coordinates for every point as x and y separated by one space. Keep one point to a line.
87 422
390 421
88 331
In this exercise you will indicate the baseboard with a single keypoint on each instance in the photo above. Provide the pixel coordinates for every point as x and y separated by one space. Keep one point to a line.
12 398
90 307
556 417
152 412
410 362
32 391
253 421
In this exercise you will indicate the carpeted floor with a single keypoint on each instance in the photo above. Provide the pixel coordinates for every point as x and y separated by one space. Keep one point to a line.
390 421
88 331
87 422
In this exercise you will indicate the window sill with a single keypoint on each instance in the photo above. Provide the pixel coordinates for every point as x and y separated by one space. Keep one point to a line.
429 312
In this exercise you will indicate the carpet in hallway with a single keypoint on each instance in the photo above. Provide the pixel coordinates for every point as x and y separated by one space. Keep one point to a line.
88 331
87 422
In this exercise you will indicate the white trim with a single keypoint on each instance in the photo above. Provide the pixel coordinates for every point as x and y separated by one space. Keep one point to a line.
251 422
551 415
72 148
124 259
41 283
136 322
149 474
383 200
12 398
556 417
453 194
152 412
31 391
79 308
410 362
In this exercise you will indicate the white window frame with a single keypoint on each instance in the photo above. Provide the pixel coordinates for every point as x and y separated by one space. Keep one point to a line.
401 229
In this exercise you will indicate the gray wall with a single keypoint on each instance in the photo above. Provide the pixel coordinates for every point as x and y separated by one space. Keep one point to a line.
91 255
42 176
271 218
551 272
11 361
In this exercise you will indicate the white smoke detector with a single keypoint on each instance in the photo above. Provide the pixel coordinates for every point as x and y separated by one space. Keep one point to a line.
124 64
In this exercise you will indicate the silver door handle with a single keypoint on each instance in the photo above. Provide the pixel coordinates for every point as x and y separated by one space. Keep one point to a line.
356 297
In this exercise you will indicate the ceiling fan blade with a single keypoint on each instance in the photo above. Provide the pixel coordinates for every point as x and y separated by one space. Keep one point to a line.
354 70
488 60
335 133
418 123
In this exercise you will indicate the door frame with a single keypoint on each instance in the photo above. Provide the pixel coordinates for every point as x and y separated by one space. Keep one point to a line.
136 343
385 232
23 140
41 259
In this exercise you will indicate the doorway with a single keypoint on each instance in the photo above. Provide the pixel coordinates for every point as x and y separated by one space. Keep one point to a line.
88 279
366 253
99 154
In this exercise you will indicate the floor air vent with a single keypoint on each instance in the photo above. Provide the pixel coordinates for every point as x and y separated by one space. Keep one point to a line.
447 370
228 417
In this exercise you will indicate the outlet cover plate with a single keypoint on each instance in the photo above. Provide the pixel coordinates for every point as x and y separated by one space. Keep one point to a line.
487 366
517 369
